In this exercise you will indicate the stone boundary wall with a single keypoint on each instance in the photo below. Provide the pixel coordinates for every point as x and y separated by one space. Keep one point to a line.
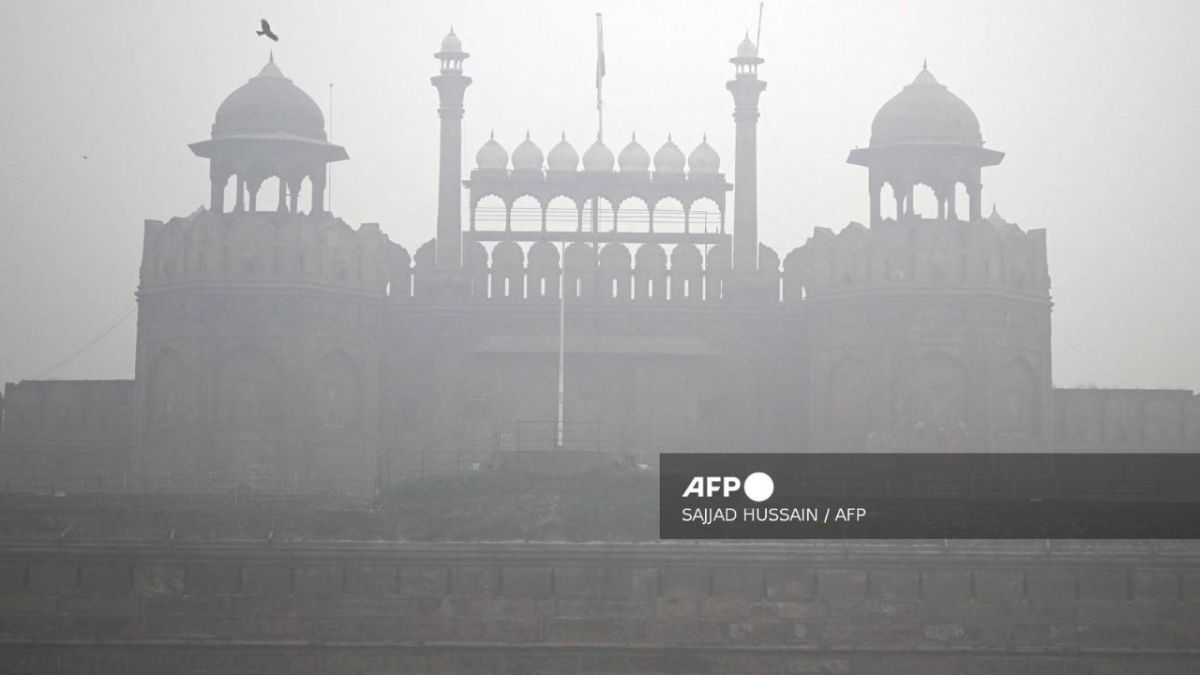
817 607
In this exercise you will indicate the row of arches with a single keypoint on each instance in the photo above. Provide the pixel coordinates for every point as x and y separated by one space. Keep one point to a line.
526 213
940 200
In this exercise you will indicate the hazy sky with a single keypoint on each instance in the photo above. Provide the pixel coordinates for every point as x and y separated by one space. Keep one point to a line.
1096 103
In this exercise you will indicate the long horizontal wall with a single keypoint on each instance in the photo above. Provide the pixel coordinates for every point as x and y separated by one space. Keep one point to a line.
819 607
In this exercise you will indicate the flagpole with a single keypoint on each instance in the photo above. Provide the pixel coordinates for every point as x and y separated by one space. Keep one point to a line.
600 69
562 341
329 165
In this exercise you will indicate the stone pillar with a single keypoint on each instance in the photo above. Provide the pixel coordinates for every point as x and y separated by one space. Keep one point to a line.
219 179
975 195
317 178
875 186
253 186
451 85
746 88
294 194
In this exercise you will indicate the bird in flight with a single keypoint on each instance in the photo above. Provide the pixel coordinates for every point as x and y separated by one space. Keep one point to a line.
266 30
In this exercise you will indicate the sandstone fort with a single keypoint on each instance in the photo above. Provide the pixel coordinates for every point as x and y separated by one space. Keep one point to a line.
280 347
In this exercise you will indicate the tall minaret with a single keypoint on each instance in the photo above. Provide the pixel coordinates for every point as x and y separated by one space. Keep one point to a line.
745 88
451 85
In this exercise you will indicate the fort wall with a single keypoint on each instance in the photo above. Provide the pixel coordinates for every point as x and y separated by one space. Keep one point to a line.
817 607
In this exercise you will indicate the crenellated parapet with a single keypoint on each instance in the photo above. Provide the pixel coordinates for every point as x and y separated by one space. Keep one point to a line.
613 272
265 249
989 254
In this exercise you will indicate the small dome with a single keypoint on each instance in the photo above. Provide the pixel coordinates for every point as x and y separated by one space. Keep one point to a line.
492 156
634 158
598 157
451 43
269 104
563 157
925 112
747 49
527 156
669 158
704 160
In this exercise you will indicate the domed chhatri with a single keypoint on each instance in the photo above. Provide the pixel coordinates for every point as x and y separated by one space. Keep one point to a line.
669 159
527 156
492 156
925 112
634 158
269 104
598 157
451 53
562 156
268 128
704 159
925 136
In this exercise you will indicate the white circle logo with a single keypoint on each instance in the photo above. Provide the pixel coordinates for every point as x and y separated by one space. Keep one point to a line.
758 487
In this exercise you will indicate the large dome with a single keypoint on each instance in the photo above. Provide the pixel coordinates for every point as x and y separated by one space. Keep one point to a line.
925 112
269 105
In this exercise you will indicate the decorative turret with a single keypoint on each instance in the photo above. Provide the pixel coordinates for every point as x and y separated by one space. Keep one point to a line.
562 157
669 160
268 128
492 156
634 159
527 156
704 160
598 157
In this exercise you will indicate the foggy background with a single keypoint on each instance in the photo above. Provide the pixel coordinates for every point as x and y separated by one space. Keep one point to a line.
1096 103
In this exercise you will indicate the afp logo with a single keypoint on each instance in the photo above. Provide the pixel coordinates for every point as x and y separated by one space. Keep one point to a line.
758 486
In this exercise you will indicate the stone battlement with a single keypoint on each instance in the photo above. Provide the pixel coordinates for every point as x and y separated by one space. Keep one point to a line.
266 248
914 253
